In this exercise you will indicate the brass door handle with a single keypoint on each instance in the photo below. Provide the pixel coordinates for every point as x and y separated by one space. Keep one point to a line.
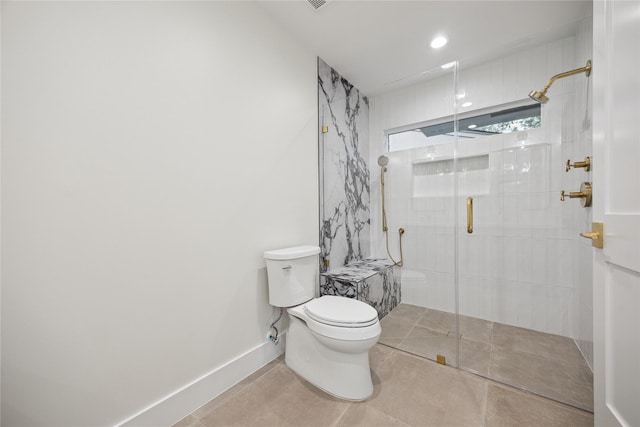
586 164
469 215
584 194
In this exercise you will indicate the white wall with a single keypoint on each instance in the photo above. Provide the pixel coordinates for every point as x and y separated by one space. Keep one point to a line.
0 220
151 151
525 263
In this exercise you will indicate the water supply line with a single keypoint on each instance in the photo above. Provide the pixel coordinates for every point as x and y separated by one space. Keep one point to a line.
273 336
383 161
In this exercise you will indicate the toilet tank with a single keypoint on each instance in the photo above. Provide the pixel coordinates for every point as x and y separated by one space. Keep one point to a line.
292 274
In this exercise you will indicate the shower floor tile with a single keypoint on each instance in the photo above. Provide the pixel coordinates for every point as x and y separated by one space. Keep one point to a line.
428 343
508 408
571 383
407 313
545 364
538 343
394 330
470 328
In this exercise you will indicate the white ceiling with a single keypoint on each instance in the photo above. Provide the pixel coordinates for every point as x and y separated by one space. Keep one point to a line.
382 45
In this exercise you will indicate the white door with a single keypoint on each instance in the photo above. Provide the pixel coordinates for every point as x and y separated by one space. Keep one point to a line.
616 188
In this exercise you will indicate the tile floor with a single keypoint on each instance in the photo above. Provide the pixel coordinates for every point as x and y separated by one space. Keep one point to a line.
408 391
549 365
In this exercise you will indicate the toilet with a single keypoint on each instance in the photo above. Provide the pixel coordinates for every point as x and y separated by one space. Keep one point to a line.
329 337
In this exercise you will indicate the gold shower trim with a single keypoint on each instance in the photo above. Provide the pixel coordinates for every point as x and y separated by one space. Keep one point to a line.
469 215
541 96
385 228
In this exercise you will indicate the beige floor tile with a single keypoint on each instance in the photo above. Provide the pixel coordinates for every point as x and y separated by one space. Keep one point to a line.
437 320
408 313
475 356
224 397
390 342
424 342
470 328
506 408
473 329
378 354
393 328
534 342
410 390
422 393
544 363
190 421
566 382
278 398
428 343
367 416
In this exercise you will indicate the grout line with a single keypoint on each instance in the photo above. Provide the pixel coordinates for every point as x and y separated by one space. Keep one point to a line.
393 350
335 423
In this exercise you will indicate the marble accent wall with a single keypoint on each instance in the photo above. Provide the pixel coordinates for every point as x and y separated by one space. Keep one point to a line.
344 170
373 280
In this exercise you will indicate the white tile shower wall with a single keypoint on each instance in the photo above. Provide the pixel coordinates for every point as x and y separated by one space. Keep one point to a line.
524 264
582 148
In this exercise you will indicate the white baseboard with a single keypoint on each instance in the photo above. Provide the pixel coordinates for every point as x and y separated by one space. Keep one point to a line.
177 405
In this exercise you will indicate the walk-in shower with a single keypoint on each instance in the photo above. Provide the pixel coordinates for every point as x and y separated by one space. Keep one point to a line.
510 301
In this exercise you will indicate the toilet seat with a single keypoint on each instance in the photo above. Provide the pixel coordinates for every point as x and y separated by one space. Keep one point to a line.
345 329
341 311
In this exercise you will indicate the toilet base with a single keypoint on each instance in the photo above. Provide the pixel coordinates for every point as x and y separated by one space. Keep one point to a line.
345 375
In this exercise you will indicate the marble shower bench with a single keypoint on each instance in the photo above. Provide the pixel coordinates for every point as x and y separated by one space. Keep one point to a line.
375 281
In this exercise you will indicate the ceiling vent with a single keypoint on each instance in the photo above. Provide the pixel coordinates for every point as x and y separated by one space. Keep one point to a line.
317 4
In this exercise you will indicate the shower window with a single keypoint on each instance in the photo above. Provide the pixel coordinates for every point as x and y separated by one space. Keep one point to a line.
476 124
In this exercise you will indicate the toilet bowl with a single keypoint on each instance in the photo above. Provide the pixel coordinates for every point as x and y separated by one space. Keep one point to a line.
329 338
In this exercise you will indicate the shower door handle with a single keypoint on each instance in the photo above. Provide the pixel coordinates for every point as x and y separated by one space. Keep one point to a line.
469 215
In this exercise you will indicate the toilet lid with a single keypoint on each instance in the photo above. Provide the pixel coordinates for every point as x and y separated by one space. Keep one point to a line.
341 311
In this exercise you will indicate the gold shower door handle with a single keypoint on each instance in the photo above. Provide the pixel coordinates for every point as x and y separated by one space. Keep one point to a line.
469 215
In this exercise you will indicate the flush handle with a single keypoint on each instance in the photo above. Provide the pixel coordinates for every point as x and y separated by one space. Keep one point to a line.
287 268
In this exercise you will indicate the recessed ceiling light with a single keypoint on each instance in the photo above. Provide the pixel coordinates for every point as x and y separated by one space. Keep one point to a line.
472 126
448 65
438 42
467 104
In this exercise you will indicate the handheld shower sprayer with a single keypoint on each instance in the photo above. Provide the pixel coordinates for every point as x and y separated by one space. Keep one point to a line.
383 161
541 96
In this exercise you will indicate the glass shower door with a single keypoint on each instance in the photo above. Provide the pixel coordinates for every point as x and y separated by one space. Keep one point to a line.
520 259
420 183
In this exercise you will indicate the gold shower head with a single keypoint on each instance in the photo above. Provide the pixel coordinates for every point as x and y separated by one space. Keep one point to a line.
542 98
538 96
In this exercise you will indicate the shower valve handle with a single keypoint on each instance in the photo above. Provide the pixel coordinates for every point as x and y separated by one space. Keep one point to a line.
585 194
586 164
571 195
